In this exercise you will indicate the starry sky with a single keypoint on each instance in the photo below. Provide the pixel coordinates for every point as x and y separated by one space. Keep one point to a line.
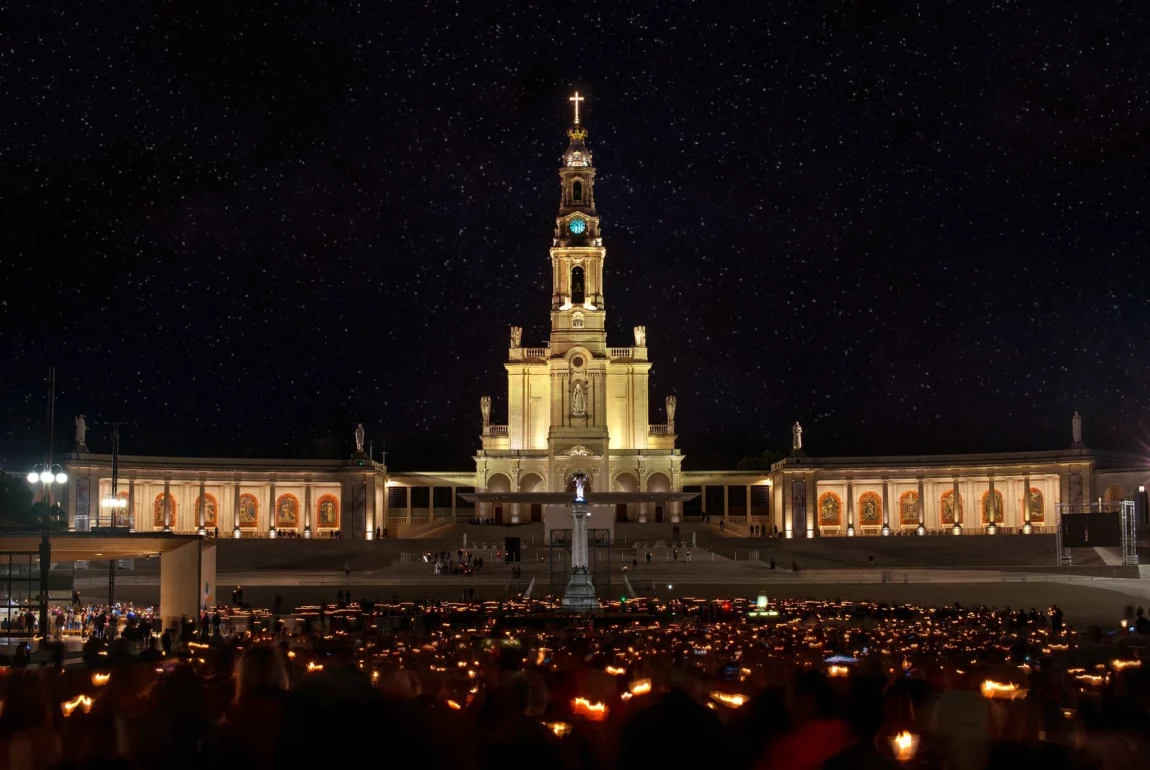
245 227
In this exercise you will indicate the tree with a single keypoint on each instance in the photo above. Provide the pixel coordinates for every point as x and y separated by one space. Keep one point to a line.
760 462
15 500
17 508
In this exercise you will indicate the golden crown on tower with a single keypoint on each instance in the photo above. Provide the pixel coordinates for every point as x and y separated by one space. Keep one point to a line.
577 133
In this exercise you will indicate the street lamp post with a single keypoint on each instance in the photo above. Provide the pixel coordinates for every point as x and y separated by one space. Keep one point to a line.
47 475
113 502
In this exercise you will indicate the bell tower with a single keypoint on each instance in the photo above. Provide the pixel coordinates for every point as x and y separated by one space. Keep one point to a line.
577 253
576 406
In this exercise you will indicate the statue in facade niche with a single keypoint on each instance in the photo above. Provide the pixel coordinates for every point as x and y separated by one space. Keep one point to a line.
1076 428
797 441
359 438
671 403
578 400
640 336
516 336
81 431
485 408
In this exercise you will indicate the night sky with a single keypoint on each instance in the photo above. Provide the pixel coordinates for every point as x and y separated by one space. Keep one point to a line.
245 227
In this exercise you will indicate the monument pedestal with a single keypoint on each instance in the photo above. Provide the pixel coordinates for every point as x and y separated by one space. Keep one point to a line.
579 595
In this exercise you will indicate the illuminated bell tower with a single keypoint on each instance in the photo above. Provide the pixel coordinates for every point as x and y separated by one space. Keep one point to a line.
577 252
578 354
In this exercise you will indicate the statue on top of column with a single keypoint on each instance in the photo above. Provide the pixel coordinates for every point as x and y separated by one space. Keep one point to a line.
485 409
580 482
797 441
1076 429
640 336
359 438
516 336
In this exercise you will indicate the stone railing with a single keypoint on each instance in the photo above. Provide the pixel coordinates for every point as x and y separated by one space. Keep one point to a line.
536 352
619 352
495 430
659 430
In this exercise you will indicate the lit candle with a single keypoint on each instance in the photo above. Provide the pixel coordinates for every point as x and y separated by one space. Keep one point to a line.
904 745
593 712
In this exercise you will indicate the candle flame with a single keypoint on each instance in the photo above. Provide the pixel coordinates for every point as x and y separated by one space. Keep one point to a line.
1090 679
733 700
1119 665
992 689
640 687
99 680
559 728
312 667
905 745
79 701
595 712
452 704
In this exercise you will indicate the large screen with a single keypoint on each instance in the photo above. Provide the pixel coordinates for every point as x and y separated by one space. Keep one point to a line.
1092 530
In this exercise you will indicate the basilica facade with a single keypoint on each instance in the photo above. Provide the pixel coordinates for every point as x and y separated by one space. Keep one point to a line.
577 404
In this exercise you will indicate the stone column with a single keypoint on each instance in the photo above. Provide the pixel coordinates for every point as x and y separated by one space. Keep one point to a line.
236 510
921 507
370 500
386 505
73 501
811 515
750 513
93 500
409 504
131 503
850 509
307 509
202 513
727 502
453 512
167 505
642 476
272 508
957 503
788 507
885 507
990 501
1026 527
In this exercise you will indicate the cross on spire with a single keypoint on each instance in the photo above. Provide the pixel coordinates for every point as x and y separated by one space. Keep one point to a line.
575 100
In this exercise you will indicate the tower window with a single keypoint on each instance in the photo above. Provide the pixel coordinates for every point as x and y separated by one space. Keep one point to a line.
577 190
577 295
577 321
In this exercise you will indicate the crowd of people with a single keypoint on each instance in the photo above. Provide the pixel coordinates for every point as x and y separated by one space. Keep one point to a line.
79 619
460 563
681 684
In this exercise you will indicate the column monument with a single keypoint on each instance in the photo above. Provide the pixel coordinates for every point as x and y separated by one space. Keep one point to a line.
580 593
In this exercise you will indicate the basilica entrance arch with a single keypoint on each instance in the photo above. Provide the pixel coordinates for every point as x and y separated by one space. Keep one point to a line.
533 482
625 482
498 482
658 482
